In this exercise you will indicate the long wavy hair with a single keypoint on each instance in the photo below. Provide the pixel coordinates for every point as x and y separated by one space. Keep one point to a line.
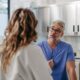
19 33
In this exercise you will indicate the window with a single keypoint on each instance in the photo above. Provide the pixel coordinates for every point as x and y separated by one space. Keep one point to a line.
4 15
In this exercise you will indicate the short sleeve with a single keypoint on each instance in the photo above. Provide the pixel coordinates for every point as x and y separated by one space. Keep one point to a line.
70 55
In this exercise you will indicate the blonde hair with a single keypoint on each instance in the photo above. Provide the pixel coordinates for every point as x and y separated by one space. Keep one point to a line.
18 33
59 22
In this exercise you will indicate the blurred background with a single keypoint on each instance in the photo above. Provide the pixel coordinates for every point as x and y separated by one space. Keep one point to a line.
46 12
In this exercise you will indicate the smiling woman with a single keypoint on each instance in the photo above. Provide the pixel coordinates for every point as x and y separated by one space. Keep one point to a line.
58 53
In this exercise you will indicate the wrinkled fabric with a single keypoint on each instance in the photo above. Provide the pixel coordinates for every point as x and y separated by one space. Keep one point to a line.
62 53
28 64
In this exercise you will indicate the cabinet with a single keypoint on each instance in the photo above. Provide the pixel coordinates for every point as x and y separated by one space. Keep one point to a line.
70 14
72 19
56 12
43 16
78 17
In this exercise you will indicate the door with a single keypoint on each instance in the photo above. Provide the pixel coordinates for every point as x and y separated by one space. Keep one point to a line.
78 17
66 13
70 19
43 16
56 12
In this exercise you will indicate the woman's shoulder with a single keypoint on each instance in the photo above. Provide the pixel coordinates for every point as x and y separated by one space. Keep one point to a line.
29 50
32 47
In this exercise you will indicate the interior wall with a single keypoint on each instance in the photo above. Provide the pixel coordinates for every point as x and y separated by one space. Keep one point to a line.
14 4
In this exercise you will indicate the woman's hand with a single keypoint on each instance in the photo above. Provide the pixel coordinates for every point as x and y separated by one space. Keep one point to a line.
51 63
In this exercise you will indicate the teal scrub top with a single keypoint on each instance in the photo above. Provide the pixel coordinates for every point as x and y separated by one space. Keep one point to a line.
62 53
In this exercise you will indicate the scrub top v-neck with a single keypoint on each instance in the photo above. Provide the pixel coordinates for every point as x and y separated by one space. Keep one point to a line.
62 53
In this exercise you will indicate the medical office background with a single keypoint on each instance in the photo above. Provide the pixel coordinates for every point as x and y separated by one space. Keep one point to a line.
46 12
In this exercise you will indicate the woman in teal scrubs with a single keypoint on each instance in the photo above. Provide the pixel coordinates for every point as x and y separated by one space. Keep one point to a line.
59 54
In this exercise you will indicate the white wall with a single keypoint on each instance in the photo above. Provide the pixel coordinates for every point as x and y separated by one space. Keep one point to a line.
14 4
